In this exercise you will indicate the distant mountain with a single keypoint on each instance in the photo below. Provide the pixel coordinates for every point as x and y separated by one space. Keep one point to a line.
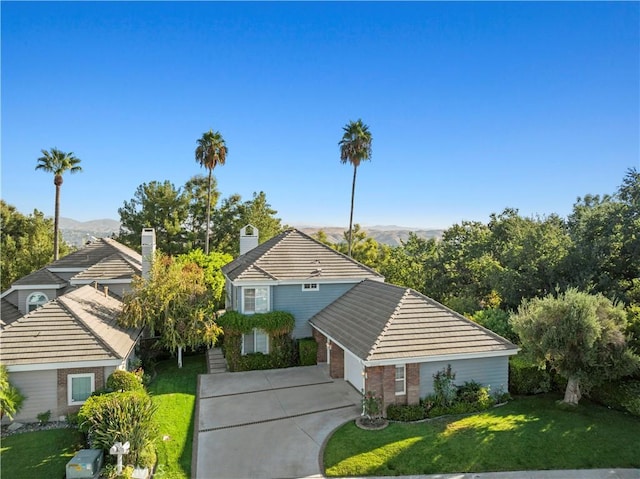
77 233
391 235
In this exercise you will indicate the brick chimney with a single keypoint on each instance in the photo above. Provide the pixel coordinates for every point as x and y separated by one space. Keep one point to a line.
248 238
148 250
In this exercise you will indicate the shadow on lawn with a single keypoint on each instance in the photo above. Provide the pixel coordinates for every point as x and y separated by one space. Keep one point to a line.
526 434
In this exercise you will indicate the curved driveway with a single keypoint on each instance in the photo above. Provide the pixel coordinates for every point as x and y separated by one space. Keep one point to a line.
268 424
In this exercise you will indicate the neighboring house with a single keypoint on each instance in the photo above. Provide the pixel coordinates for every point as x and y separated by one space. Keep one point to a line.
392 340
377 336
290 272
60 340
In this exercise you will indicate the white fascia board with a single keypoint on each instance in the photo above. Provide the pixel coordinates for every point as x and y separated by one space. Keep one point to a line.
75 282
40 286
67 270
16 368
442 357
284 282
7 292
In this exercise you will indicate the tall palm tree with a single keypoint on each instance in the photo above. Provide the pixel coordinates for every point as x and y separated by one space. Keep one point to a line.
355 147
211 151
58 162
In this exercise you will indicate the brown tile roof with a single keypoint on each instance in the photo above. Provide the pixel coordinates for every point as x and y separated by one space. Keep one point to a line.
380 321
95 252
293 255
41 277
112 267
9 313
80 326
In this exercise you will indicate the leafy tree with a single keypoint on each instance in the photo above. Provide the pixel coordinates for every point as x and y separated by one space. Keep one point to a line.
175 303
355 147
406 265
211 265
57 162
26 243
497 320
197 191
580 335
11 398
234 214
364 249
160 206
210 152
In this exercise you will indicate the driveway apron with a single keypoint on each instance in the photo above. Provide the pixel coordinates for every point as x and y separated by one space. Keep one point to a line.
268 424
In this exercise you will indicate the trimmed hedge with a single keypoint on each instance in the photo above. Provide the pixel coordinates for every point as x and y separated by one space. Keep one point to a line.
526 377
620 395
308 351
276 323
121 380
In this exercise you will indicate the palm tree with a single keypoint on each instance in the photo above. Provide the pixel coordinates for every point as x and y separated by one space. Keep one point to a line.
355 147
57 162
211 151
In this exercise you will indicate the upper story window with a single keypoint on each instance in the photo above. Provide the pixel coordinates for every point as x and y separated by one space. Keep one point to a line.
310 287
255 300
35 300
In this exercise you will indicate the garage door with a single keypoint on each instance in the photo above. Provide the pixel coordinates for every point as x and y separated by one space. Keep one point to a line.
353 370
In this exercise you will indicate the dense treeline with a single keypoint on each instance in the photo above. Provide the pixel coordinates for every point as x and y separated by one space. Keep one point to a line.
497 264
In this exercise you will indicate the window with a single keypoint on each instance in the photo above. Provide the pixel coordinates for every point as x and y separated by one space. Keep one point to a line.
35 300
257 341
80 387
310 287
400 380
255 300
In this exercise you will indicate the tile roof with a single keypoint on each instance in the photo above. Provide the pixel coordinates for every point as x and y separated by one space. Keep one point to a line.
293 255
79 326
380 321
9 313
41 277
95 252
112 267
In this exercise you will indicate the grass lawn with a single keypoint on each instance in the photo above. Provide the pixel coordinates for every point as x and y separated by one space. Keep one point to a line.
39 453
529 433
174 391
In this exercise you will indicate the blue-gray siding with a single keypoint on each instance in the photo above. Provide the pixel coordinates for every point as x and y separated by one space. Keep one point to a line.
492 372
304 304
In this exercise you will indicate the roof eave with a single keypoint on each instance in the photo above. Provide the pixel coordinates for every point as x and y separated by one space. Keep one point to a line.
440 357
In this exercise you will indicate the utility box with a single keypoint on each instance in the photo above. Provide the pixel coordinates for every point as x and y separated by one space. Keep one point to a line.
86 464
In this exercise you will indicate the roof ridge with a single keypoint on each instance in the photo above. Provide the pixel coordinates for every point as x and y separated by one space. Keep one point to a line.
387 324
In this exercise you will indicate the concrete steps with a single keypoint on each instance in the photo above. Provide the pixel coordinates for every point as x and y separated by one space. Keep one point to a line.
216 363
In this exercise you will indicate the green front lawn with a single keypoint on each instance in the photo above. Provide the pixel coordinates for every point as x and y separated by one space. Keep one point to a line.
529 433
39 453
174 391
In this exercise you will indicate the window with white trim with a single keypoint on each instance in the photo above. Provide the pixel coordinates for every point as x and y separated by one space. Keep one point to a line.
310 287
401 382
35 300
257 341
255 300
80 387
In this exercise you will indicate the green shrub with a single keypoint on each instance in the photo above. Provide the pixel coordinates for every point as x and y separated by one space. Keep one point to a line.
44 417
308 351
526 377
476 394
121 380
622 395
406 412
445 389
120 417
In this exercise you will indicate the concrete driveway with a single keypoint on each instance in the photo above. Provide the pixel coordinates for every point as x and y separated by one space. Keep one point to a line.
268 424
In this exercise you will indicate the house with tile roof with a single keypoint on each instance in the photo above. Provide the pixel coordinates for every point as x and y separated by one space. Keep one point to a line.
290 272
377 336
59 336
392 340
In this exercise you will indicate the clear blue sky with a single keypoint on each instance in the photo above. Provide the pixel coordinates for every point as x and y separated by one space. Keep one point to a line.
473 107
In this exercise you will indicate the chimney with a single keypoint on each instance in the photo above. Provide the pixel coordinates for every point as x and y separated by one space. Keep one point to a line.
148 250
248 238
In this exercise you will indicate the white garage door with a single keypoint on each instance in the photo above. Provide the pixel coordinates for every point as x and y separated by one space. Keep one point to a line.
353 370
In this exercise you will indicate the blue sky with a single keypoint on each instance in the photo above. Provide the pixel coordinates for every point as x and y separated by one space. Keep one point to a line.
473 107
